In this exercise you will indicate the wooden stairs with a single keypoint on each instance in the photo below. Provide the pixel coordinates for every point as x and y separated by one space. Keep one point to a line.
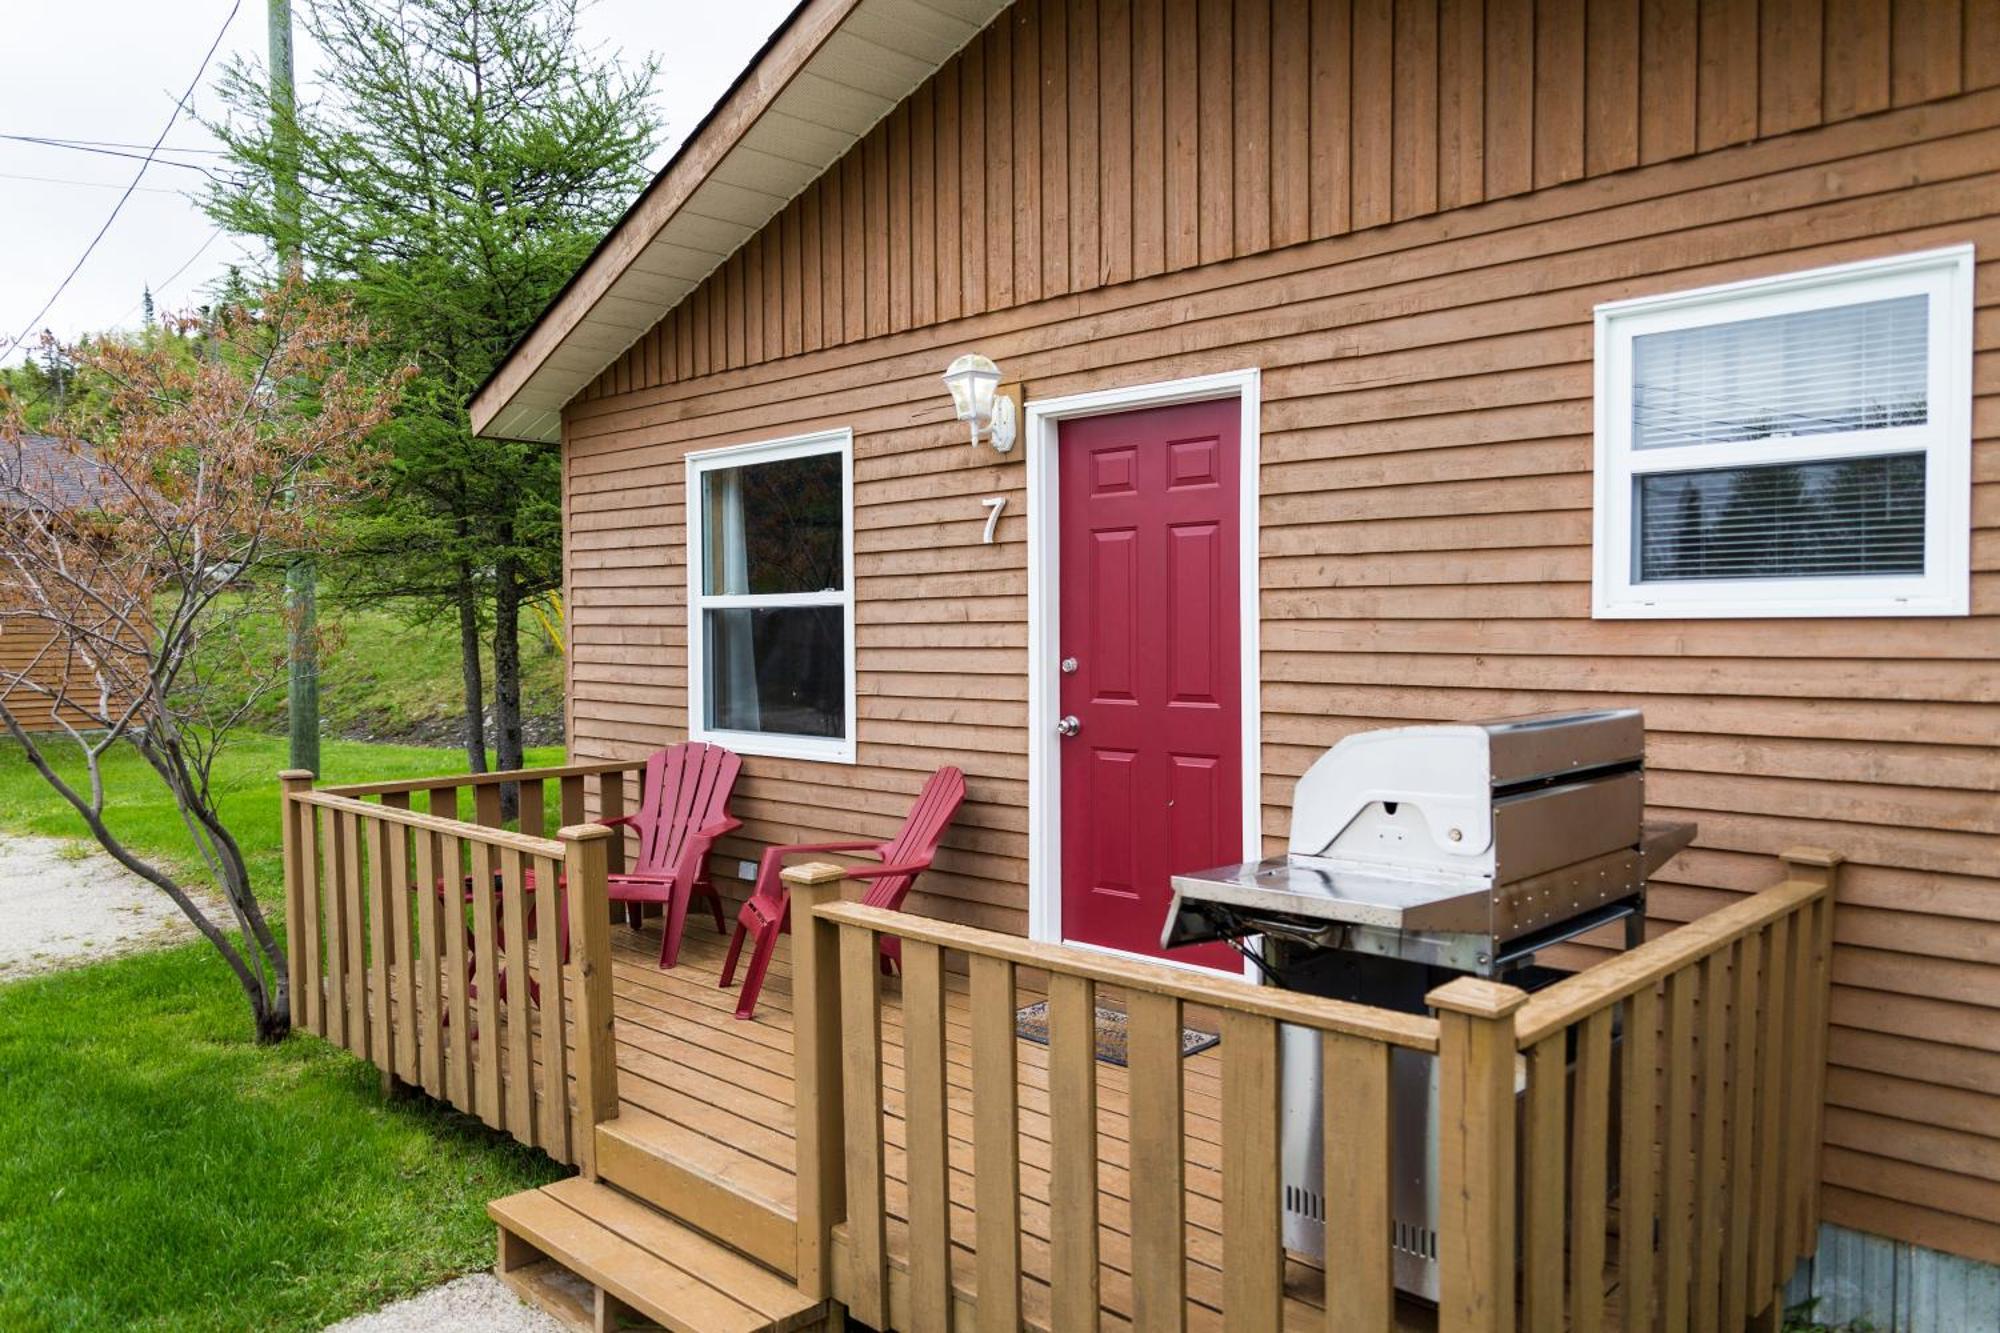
693 1177
600 1259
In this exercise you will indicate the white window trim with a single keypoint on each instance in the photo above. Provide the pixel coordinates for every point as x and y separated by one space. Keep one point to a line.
1943 589
777 745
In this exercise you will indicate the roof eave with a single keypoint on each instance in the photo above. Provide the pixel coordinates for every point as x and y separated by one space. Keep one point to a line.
787 52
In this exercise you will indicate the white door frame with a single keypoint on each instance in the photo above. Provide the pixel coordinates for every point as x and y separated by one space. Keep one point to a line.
1040 434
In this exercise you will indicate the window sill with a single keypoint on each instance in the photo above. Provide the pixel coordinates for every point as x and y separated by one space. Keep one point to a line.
1802 609
769 745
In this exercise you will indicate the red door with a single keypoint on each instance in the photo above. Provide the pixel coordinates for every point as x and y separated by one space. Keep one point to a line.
1152 778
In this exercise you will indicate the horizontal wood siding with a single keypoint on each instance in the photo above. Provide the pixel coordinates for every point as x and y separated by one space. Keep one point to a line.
1426 447
27 648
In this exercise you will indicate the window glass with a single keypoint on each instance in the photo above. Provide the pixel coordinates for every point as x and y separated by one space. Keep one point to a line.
782 669
772 527
1791 520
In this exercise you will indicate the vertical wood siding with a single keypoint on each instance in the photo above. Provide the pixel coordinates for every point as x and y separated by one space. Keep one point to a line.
1083 142
1426 447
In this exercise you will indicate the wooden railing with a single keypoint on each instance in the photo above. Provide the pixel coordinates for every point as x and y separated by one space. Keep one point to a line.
573 786
1246 1280
1717 1033
433 947
1697 1059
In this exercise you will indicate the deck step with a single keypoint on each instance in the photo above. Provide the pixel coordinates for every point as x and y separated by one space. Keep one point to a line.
736 1198
594 1257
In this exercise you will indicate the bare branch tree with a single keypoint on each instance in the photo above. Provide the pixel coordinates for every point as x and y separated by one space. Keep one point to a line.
141 539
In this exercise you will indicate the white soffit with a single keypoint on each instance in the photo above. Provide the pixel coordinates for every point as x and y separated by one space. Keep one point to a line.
877 56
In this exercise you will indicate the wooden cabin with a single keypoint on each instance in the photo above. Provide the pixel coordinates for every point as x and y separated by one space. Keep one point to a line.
38 664
1371 363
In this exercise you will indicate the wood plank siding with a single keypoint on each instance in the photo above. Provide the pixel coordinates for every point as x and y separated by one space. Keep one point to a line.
1081 143
28 649
1402 213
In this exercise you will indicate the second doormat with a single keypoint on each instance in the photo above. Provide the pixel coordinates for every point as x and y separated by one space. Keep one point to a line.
1032 1023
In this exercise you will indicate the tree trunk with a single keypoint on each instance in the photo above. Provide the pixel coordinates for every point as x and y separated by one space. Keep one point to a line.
475 680
274 1021
507 674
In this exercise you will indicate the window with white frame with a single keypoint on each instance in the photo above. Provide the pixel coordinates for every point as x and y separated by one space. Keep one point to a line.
1791 446
771 597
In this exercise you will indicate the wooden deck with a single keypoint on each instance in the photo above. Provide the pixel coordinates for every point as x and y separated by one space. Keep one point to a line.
716 1093
1057 1189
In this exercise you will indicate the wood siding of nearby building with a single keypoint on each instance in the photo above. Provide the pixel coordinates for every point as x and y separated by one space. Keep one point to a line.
1115 192
26 649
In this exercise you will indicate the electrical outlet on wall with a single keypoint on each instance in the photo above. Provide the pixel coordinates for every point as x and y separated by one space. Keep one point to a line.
746 870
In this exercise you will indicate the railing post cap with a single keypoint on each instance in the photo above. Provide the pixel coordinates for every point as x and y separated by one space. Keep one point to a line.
1811 856
1478 997
296 775
812 872
582 832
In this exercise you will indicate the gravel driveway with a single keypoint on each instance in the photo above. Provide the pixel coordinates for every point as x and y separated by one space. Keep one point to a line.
66 902
477 1303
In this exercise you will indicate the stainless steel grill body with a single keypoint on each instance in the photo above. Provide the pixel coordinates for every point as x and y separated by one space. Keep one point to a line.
1417 854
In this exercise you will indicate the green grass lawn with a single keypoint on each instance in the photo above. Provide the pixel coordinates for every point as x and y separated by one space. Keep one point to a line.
393 671
247 784
161 1171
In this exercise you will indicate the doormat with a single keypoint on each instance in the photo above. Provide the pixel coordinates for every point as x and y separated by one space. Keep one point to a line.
1032 1022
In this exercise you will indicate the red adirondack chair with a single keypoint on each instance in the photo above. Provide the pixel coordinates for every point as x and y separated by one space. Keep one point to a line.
904 857
683 809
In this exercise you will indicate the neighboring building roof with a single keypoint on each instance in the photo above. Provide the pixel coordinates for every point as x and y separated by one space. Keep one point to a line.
833 70
35 467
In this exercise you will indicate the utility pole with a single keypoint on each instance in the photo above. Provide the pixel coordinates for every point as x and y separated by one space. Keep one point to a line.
301 591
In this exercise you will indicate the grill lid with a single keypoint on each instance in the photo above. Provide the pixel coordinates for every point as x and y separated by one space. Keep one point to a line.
1420 799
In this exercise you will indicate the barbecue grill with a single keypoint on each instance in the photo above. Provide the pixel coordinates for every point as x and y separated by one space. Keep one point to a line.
1419 854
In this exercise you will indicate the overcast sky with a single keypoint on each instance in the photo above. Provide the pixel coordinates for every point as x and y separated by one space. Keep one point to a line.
110 71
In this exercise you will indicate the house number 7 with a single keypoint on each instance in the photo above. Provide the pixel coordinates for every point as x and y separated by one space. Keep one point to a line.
994 504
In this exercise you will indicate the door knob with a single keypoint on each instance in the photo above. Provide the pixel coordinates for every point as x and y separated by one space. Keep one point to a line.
1069 726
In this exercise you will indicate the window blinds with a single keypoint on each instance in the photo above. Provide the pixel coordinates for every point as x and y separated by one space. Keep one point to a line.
1811 372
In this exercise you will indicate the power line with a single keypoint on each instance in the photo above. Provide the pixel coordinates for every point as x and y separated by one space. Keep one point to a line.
106 152
169 280
110 143
96 185
174 116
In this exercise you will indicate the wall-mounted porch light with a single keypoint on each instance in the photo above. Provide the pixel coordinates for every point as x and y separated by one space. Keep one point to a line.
993 412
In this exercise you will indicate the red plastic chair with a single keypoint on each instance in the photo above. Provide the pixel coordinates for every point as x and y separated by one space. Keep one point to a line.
683 809
767 914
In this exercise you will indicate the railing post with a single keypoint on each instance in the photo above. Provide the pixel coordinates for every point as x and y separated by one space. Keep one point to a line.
584 868
610 805
290 781
1815 866
816 1053
1476 1169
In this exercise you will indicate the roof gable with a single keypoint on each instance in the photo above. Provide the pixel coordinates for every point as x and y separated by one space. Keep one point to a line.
834 70
38 471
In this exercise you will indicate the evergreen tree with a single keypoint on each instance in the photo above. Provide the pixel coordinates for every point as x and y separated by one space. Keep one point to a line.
462 159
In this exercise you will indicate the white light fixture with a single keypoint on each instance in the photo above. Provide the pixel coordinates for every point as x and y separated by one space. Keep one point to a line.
974 381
